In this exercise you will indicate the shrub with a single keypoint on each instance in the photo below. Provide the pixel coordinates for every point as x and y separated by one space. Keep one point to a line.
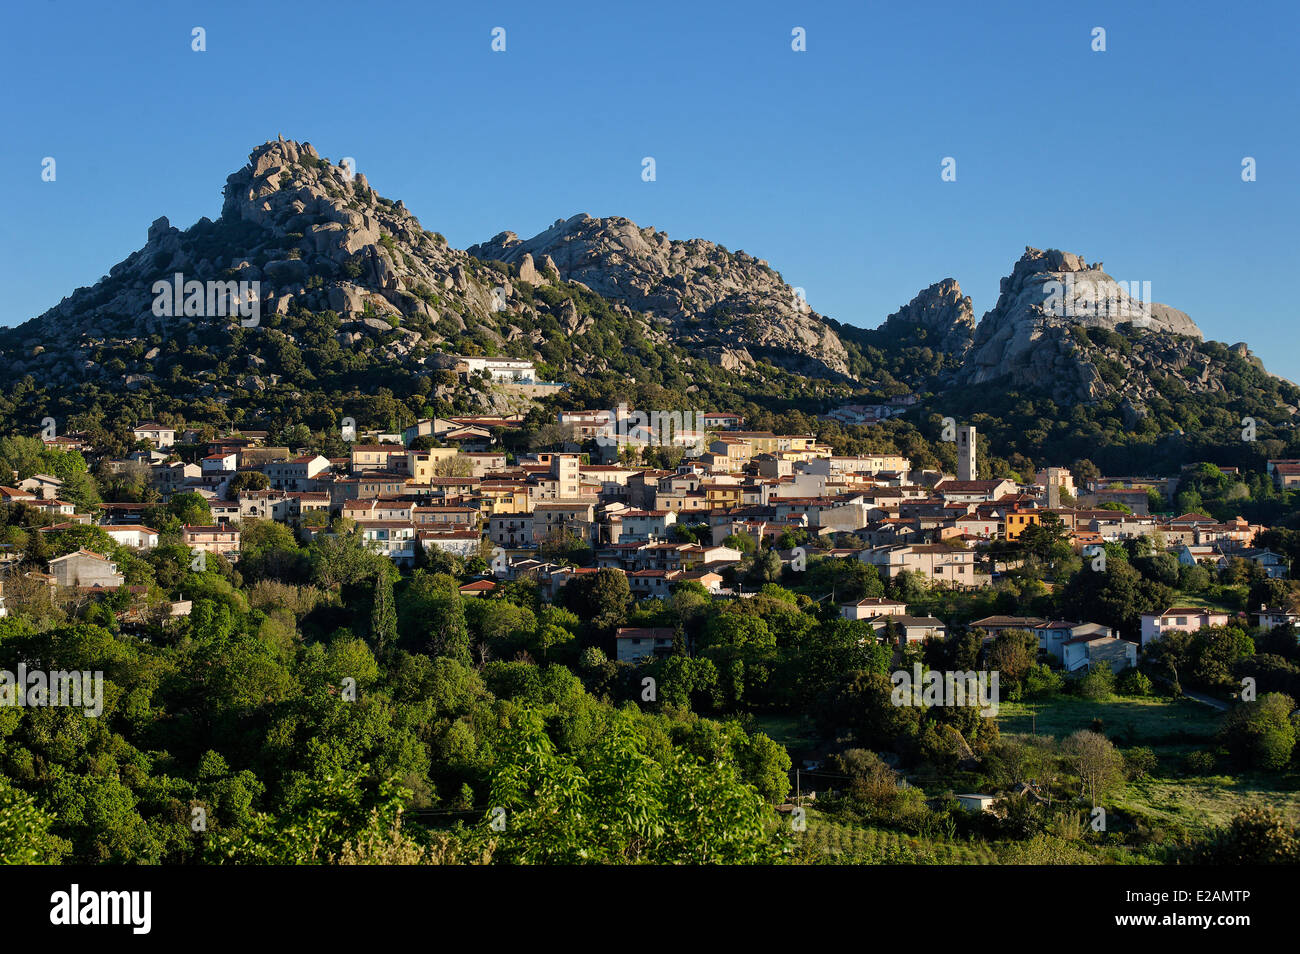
1259 733
1133 683
1042 681
1140 762
1099 683
1255 836
1199 762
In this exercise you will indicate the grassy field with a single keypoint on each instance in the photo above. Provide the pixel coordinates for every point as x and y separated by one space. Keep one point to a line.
1207 801
1167 800
791 731
1171 729
1153 721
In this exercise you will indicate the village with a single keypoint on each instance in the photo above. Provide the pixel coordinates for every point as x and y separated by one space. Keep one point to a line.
550 516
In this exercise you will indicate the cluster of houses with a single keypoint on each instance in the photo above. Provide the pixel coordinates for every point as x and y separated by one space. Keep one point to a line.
1071 645
446 484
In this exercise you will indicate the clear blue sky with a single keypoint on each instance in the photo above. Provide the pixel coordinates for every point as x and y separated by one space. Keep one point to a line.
826 163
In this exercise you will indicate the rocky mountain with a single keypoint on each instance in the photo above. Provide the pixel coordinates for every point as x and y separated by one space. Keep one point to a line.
356 298
1029 337
312 234
319 241
729 302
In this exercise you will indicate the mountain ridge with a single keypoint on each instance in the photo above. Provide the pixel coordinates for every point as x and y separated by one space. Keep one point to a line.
599 302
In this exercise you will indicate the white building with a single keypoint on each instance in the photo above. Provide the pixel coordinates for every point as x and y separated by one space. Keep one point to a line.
297 474
462 543
161 436
132 535
1084 651
510 370
872 607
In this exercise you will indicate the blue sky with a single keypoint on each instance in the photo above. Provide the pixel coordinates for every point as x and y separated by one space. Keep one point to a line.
826 162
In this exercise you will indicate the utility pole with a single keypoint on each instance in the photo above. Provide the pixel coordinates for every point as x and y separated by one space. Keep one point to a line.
798 790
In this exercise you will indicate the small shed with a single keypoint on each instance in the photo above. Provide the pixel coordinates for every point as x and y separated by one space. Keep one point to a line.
976 803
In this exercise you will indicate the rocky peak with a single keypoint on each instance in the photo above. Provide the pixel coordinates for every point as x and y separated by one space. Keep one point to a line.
315 237
309 231
1063 286
1027 336
946 315
713 298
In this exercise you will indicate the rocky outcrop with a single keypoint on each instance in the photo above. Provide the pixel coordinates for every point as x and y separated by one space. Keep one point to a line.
711 296
1026 338
318 239
314 237
942 313
310 232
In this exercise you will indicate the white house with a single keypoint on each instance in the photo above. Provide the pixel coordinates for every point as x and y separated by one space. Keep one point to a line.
512 370
1055 634
132 535
55 507
161 436
83 568
42 485
462 543
976 803
220 463
1272 618
394 539
871 607
912 629
641 525
297 474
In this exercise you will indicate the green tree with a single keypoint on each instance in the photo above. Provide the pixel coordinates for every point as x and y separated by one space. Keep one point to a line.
614 803
1255 836
601 598
247 480
1260 734
383 616
190 509
25 837
1099 682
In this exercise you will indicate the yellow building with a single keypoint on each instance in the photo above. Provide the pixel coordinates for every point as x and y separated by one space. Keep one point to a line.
422 466
504 498
723 496
1018 520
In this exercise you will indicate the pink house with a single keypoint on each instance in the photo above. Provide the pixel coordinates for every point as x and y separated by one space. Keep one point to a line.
1186 618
